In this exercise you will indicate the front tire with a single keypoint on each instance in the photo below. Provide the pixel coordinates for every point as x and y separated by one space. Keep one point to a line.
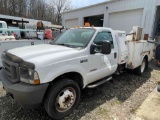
140 70
62 98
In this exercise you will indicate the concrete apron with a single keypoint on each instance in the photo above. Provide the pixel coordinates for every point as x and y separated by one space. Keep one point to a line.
150 108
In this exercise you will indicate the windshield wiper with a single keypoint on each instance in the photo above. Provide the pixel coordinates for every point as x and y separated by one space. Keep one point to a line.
62 44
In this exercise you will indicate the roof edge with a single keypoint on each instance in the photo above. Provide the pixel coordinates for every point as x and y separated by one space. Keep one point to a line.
110 1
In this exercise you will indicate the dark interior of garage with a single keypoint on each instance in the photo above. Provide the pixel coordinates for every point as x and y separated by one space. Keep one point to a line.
97 21
156 31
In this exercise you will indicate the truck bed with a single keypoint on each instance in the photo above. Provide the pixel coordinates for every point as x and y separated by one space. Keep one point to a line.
137 51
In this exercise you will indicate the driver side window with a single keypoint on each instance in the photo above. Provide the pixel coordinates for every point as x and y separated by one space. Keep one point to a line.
102 36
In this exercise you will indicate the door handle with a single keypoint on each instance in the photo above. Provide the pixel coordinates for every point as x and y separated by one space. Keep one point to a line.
115 55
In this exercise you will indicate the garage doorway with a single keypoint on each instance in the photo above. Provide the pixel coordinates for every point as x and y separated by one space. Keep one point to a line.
156 30
97 20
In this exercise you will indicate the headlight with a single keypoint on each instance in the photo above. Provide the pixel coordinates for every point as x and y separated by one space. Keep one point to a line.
29 76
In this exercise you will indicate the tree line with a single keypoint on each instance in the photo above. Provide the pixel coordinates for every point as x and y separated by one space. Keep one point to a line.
49 10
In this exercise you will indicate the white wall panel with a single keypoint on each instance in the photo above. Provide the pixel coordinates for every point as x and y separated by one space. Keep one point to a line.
125 20
70 23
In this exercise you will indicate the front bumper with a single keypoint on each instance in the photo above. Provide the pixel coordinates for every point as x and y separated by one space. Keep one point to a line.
26 95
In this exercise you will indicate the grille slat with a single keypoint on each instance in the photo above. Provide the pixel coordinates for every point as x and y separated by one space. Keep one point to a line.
11 69
7 72
6 65
9 77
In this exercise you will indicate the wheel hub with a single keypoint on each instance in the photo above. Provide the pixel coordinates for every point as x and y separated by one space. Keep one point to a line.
65 100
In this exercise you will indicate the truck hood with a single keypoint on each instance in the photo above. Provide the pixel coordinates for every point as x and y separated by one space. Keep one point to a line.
42 55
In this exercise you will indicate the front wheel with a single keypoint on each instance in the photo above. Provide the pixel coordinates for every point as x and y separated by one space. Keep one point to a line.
140 70
62 98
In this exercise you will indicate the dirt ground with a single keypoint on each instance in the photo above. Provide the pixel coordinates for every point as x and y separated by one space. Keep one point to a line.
115 100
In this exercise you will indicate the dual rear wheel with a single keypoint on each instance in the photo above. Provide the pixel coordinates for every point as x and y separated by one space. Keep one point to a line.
141 69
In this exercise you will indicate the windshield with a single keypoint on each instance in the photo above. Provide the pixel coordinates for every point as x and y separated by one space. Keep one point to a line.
75 37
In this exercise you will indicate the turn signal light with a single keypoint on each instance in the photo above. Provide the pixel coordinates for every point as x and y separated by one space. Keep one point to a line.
36 82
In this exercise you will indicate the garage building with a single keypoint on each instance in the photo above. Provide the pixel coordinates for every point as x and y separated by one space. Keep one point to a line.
118 15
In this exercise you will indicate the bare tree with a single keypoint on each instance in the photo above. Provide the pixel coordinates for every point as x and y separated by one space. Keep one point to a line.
36 9
60 6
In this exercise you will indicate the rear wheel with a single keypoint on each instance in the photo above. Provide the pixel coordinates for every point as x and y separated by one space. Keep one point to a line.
140 70
62 98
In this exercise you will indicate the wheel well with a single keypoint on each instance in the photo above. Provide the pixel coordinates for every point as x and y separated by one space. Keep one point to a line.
73 76
146 58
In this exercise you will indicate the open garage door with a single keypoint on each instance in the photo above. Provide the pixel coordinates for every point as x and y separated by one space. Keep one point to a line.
97 20
156 30
125 20
70 23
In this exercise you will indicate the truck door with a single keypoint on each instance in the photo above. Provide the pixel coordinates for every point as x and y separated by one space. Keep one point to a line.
108 63
102 65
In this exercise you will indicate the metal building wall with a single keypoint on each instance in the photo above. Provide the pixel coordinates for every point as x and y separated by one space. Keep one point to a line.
149 10
85 12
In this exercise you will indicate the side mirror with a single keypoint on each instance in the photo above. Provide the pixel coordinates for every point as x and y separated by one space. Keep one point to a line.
103 47
106 47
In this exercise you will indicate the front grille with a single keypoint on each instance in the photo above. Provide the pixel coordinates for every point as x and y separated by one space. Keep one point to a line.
11 69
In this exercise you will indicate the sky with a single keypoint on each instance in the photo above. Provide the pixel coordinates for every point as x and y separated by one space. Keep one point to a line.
83 3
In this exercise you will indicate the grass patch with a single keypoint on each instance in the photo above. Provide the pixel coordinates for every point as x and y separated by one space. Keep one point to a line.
102 111
116 102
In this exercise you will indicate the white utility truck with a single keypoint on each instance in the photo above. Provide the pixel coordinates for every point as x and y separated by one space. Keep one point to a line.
54 74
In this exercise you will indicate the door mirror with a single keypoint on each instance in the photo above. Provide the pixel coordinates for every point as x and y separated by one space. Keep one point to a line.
103 47
106 47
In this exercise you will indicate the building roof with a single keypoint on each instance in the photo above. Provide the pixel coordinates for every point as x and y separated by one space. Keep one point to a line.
90 6
19 19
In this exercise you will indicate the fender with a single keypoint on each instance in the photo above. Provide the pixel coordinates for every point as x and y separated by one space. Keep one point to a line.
60 70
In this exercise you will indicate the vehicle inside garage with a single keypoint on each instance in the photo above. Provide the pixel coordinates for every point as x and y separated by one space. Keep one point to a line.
94 20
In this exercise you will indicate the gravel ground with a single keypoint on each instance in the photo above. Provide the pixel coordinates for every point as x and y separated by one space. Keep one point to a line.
115 100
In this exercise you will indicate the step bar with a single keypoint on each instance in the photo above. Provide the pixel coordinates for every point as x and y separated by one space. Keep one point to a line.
96 84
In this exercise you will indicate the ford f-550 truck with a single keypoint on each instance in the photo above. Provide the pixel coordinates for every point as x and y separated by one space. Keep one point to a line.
54 74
